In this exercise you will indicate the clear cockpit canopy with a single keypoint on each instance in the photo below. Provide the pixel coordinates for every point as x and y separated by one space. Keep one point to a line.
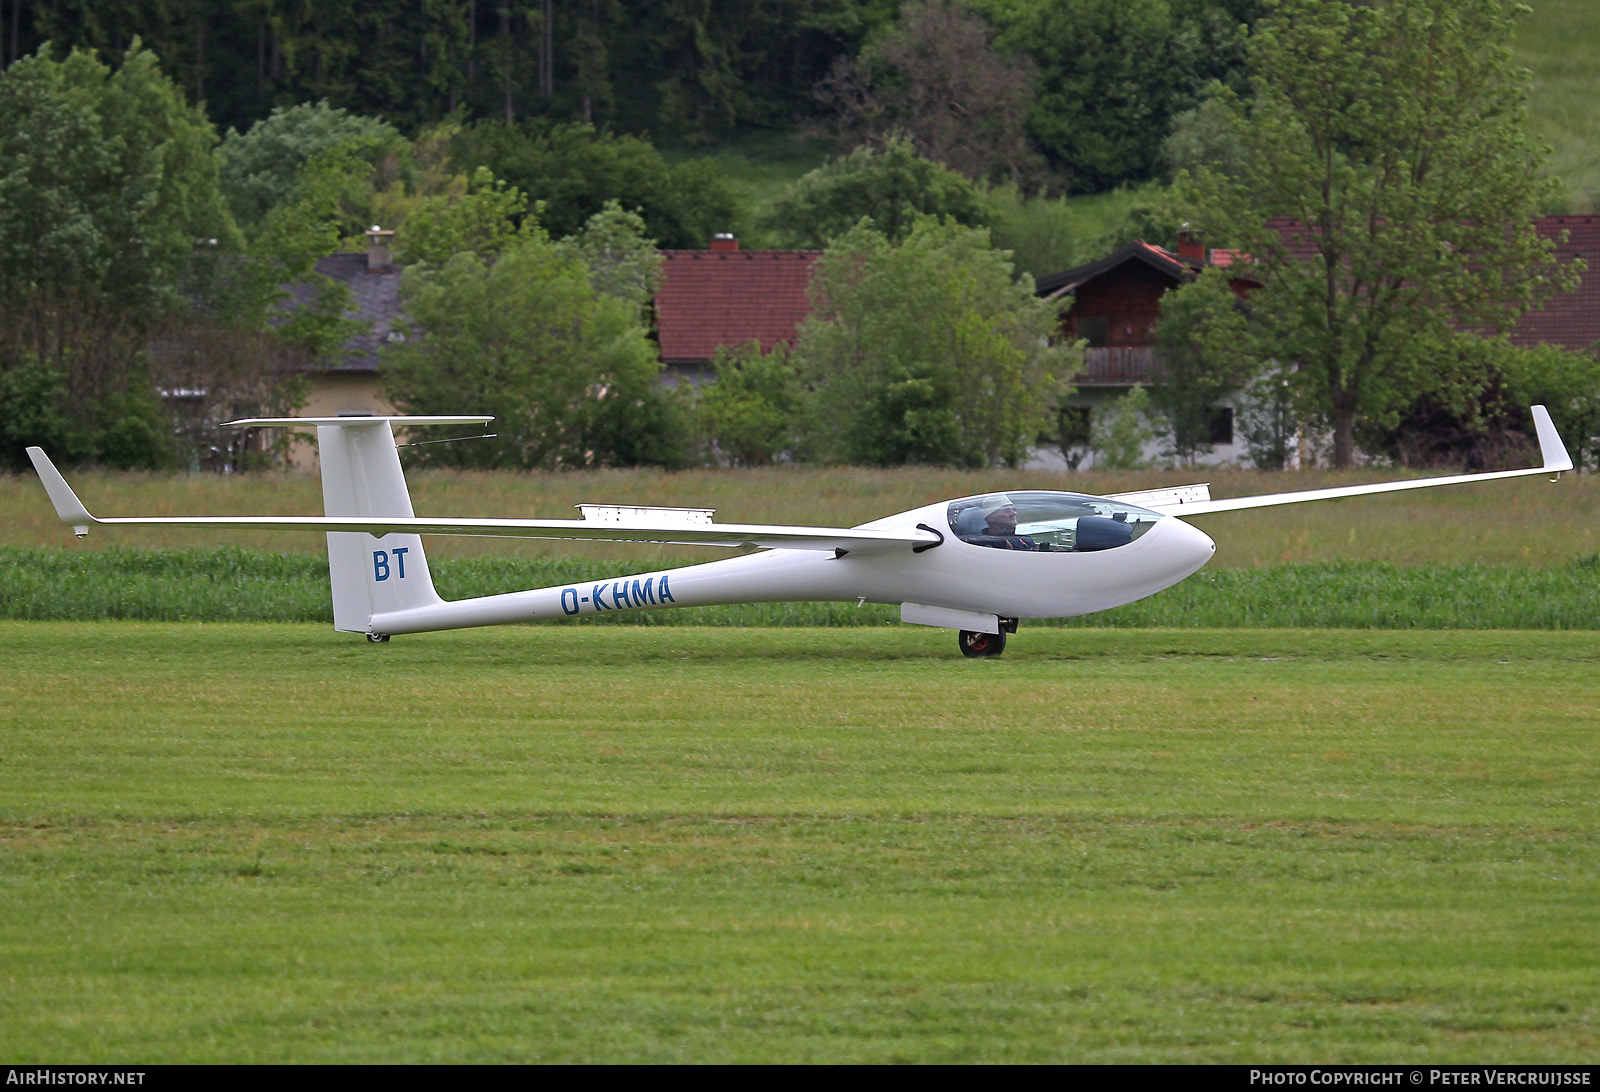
1036 519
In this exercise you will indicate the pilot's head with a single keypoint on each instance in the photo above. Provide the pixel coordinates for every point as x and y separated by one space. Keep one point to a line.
1000 514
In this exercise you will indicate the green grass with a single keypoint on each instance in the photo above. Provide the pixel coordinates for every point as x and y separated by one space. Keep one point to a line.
1556 42
234 585
265 843
759 164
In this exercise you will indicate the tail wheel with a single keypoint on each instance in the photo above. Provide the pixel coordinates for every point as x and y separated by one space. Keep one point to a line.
378 638
981 644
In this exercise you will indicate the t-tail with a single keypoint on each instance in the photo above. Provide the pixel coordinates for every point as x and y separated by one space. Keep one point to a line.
361 477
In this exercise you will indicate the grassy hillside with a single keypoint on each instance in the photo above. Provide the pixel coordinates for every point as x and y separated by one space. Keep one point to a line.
759 165
1557 42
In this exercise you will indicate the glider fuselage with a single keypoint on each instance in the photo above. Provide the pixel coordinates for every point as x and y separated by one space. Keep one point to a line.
955 575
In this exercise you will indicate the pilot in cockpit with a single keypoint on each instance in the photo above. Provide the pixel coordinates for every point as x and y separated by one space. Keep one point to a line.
1000 525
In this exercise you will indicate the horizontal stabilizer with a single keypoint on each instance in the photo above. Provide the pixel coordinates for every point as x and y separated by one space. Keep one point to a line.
351 421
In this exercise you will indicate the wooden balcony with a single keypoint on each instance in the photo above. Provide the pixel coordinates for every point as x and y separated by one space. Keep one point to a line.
1117 367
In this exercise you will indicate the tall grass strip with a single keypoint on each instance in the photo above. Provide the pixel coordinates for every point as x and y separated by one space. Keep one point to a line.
237 585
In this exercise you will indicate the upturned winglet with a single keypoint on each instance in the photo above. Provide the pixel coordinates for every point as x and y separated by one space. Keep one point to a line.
68 506
1551 448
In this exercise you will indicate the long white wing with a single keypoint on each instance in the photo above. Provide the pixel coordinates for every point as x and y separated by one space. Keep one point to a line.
1553 451
73 512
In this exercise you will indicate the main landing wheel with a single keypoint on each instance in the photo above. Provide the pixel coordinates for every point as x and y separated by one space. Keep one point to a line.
981 644
378 638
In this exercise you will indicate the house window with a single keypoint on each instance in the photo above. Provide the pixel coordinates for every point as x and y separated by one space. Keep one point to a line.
1220 425
1094 330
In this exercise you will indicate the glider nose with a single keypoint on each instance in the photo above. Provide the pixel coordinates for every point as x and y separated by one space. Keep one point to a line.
1190 544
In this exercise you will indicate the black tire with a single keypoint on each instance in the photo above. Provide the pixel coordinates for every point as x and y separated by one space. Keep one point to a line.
378 638
974 645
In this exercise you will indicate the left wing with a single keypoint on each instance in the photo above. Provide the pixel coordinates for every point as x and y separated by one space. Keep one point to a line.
1551 449
659 528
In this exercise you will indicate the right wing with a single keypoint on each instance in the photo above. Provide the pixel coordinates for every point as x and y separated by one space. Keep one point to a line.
1551 449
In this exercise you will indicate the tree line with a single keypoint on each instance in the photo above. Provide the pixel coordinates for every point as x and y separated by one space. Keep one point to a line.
921 348
148 255
151 262
1078 92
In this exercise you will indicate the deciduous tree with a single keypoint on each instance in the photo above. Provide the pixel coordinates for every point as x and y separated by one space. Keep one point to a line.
1199 366
569 372
1113 73
623 261
936 76
573 170
260 168
751 413
1392 137
483 221
927 351
1565 382
1121 431
106 182
891 187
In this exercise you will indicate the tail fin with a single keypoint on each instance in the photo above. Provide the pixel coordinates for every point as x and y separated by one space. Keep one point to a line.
361 476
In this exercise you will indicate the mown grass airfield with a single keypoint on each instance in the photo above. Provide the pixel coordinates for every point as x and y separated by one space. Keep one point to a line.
234 842
264 842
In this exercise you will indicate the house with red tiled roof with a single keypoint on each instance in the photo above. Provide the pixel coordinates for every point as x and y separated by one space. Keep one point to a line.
725 296
1570 320
707 299
1116 302
1115 305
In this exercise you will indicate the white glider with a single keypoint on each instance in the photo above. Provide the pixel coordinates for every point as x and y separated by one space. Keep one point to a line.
974 564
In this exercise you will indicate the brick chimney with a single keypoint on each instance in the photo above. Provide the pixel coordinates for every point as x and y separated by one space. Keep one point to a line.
378 242
1192 244
725 242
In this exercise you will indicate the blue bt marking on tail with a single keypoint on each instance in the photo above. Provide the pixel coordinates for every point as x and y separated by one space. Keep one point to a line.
380 563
